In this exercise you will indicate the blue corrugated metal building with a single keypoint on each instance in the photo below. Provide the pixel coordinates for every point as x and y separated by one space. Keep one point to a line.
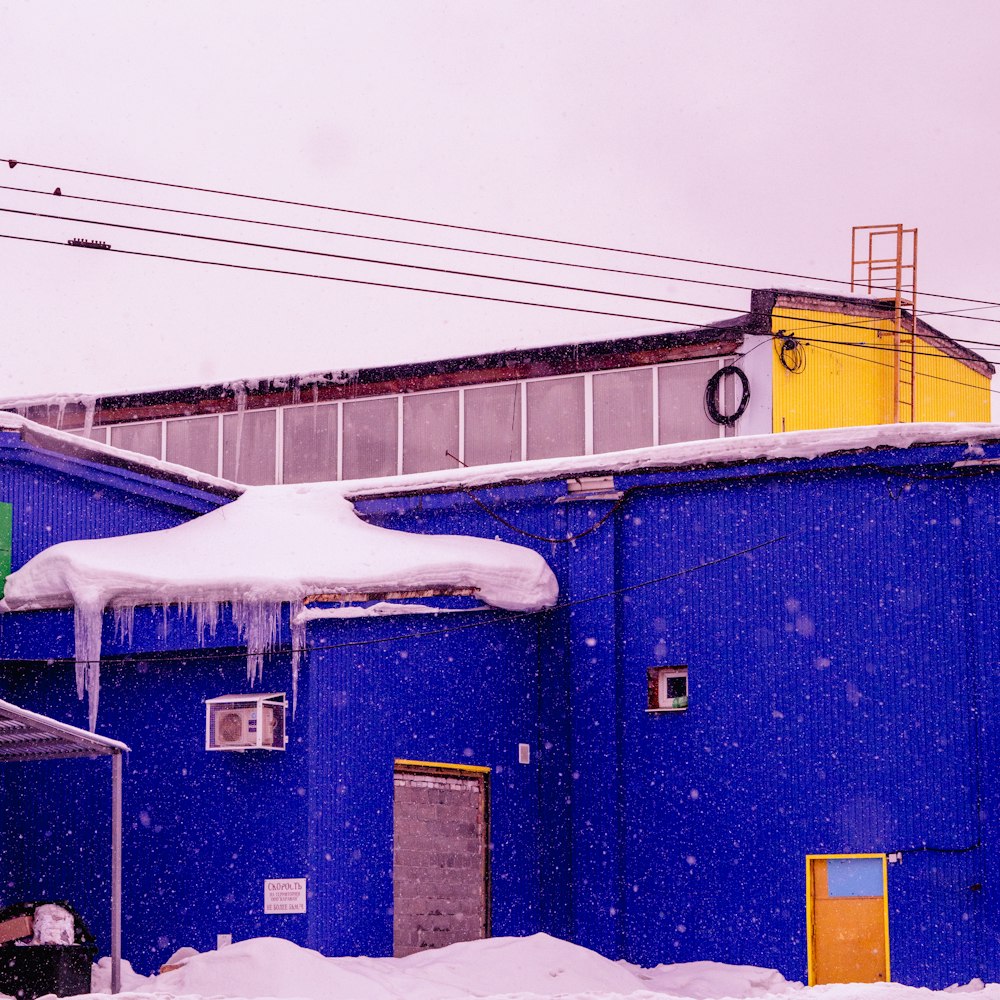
834 617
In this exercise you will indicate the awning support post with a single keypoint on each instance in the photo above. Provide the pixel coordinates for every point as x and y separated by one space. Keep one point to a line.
116 872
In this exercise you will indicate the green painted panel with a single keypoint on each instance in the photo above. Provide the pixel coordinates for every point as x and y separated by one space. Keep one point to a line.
6 531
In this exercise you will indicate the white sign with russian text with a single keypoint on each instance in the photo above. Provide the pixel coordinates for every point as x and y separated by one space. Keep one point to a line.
284 895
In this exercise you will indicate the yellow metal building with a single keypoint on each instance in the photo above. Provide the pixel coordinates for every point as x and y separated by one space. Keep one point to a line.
833 364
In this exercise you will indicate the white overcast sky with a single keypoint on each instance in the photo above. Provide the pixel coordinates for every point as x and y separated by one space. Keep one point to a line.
752 133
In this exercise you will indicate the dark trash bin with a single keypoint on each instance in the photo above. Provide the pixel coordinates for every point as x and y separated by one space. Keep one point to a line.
29 971
32 970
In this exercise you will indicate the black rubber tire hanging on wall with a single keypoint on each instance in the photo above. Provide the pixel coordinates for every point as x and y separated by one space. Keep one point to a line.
712 396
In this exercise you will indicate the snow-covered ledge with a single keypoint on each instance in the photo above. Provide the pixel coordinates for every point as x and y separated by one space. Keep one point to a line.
270 546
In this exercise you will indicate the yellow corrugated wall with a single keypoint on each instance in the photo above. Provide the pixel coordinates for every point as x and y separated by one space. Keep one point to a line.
841 385
948 390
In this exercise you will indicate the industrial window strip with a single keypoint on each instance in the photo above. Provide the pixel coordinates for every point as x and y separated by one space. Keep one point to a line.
558 416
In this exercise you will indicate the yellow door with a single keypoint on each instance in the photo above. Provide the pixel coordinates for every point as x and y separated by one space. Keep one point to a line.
848 919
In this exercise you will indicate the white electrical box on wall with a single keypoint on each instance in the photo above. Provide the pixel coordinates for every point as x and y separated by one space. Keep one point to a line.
245 722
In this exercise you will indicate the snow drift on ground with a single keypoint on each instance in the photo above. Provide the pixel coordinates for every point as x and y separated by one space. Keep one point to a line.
539 965
522 968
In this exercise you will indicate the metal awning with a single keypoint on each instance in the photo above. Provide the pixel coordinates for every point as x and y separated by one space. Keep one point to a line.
26 736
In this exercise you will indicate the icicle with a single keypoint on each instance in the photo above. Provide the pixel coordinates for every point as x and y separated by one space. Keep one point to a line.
61 412
257 622
298 627
124 619
87 623
89 403
240 394
206 618
296 391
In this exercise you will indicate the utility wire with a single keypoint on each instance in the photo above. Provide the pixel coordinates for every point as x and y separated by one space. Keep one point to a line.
455 294
201 654
958 314
373 260
385 239
359 281
882 364
435 270
12 163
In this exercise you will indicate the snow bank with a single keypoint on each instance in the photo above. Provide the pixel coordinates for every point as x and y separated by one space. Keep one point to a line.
521 968
270 546
711 980
539 965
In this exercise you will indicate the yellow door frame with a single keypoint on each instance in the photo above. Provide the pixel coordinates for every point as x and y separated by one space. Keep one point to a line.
810 858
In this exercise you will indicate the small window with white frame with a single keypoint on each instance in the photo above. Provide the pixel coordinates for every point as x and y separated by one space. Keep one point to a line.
667 689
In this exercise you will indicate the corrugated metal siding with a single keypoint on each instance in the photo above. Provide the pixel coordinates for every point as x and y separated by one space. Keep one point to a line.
839 385
842 385
948 390
201 830
829 710
50 506
461 691
842 686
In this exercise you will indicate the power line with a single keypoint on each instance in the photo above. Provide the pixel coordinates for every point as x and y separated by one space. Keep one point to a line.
826 324
200 654
372 260
433 291
422 267
383 239
882 364
957 314
359 281
12 163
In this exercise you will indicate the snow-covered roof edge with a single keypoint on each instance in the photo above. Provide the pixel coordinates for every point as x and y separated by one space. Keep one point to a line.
687 454
65 443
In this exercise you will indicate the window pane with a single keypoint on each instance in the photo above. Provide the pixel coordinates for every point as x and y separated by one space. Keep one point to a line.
555 418
248 451
493 424
143 438
96 434
854 877
310 444
430 428
370 433
683 416
194 442
623 410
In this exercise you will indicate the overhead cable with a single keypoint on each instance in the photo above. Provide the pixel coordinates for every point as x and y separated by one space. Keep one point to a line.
12 163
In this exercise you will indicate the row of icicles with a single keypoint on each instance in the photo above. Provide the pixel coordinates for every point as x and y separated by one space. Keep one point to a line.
257 623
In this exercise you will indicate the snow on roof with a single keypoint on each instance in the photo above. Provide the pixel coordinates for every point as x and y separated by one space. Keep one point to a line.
272 545
65 442
275 544
686 454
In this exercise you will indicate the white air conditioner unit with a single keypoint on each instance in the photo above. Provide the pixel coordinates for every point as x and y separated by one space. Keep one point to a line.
245 722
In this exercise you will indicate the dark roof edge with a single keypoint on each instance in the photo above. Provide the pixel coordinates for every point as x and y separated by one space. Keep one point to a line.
554 353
